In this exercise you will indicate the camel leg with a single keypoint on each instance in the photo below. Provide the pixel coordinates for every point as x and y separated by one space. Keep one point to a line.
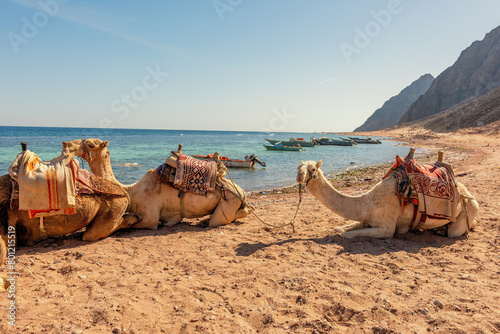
242 213
225 212
459 227
374 232
107 221
148 220
128 220
27 234
351 227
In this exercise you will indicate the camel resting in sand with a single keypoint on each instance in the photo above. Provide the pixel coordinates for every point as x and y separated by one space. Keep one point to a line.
378 213
101 213
154 202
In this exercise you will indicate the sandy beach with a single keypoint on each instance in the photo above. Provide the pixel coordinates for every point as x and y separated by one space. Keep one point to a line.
248 277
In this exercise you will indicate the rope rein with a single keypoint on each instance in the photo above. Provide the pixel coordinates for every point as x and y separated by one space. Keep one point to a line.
243 200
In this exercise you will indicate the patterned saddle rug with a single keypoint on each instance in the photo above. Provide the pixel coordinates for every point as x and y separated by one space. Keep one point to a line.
190 175
432 188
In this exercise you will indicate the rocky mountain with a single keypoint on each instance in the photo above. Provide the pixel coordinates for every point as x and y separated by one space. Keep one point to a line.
476 113
393 109
475 73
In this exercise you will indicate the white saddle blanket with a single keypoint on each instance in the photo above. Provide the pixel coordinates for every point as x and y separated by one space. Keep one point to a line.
44 185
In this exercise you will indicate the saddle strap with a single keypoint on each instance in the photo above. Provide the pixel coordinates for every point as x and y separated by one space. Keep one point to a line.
43 232
419 218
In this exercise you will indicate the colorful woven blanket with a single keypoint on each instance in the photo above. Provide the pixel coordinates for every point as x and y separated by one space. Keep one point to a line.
196 176
435 185
45 188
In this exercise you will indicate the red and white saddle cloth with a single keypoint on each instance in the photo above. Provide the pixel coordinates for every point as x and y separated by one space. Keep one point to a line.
45 188
436 189
196 176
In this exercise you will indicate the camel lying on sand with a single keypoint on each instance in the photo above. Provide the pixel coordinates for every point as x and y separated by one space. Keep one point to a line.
154 202
378 212
101 213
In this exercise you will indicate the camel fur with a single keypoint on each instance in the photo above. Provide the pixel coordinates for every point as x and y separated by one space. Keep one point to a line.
154 202
378 213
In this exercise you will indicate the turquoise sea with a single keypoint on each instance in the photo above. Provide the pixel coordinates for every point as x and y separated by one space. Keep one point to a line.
134 152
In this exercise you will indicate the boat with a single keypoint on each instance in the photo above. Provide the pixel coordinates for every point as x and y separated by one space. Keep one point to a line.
358 140
280 147
293 142
330 141
249 161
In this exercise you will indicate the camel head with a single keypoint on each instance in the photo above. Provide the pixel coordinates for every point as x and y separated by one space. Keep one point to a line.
85 148
308 170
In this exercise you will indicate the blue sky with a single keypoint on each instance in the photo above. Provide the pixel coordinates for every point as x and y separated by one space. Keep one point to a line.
248 65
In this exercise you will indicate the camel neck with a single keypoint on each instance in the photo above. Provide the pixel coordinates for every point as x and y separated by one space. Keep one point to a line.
100 165
349 207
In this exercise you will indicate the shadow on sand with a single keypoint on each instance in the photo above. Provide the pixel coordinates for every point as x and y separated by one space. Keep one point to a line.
411 242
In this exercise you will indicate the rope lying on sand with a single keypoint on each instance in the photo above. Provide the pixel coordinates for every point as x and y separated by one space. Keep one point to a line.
243 200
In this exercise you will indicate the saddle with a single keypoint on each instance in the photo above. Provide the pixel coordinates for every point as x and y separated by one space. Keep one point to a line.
45 186
188 174
431 188
50 188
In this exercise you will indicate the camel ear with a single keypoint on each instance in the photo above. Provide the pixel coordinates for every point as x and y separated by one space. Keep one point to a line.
319 163
301 162
104 144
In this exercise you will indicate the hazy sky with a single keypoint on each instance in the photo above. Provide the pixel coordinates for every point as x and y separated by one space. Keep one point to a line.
280 65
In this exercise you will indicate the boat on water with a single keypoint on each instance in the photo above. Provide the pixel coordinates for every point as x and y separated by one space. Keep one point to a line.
337 142
249 161
293 142
358 140
280 147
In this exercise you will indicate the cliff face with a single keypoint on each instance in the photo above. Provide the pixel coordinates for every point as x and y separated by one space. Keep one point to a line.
393 109
478 112
475 73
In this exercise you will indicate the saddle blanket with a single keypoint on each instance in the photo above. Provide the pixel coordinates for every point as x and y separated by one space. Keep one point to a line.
435 185
196 176
45 187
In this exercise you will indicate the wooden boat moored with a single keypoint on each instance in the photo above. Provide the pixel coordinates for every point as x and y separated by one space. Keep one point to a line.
330 141
249 161
280 147
293 142
358 140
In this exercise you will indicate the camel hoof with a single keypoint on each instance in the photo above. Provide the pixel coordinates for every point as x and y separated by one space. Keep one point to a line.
4 283
168 224
338 229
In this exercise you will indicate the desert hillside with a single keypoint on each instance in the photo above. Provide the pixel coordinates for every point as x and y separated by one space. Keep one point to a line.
394 108
475 73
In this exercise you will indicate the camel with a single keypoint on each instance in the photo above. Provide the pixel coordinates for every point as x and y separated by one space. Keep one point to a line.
154 202
101 213
378 213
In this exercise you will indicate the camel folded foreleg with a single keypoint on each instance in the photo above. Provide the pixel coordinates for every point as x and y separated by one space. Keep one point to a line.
351 227
373 232
465 220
